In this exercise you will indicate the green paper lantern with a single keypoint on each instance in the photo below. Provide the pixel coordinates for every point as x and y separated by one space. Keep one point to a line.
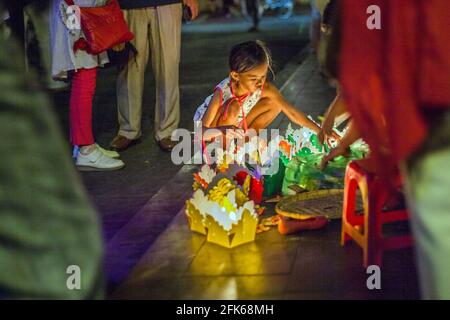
273 183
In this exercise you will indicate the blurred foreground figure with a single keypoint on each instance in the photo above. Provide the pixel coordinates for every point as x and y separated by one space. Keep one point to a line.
29 23
395 80
48 228
314 27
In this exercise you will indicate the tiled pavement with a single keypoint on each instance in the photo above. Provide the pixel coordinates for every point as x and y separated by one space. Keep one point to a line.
309 265
142 185
119 195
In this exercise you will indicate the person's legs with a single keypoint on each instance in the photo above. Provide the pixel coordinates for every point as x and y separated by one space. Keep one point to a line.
262 114
130 81
89 156
81 96
255 14
252 8
226 4
227 117
165 43
428 186
216 121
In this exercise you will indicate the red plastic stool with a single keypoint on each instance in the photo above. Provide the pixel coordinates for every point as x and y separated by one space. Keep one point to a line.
366 229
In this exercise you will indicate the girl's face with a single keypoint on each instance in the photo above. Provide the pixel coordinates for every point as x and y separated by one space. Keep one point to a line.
253 79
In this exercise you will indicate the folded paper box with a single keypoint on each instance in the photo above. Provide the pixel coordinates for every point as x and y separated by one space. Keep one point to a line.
227 219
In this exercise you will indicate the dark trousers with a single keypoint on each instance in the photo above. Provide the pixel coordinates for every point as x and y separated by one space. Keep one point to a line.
252 10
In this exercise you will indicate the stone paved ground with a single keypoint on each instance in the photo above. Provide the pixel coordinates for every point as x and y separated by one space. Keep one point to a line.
205 44
121 195
309 265
149 251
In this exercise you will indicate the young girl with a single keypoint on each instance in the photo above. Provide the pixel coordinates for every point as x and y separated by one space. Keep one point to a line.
246 100
81 68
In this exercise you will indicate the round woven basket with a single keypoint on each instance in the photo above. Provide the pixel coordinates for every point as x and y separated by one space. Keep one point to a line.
312 204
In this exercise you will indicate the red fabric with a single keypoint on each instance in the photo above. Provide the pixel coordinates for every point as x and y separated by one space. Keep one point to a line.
256 191
81 96
434 79
240 101
80 44
103 27
390 77
240 177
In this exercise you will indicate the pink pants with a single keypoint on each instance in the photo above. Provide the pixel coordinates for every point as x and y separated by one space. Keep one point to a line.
81 96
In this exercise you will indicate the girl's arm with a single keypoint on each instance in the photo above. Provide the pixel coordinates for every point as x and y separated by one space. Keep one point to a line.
290 111
208 122
209 116
212 110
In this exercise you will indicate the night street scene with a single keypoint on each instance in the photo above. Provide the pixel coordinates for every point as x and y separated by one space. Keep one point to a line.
247 151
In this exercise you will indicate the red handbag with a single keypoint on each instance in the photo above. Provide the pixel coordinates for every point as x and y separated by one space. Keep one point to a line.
103 27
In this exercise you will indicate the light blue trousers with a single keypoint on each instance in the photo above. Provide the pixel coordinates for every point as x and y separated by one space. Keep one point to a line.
428 194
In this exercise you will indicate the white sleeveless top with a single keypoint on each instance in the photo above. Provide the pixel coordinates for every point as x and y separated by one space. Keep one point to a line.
226 97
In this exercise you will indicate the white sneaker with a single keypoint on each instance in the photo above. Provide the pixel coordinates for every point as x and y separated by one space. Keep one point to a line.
97 161
108 153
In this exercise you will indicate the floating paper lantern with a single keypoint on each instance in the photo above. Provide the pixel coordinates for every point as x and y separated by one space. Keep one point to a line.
228 220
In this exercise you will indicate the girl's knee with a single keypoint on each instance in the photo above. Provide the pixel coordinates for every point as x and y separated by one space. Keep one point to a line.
230 114
269 104
276 107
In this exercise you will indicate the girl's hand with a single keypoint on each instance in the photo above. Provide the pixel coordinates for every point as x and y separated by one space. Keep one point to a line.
232 132
229 132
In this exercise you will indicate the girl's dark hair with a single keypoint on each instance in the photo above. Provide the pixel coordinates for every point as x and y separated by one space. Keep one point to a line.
248 55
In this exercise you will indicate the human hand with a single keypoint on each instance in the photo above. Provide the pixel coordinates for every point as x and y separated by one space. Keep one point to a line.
335 152
232 132
321 136
336 136
119 47
193 5
325 137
